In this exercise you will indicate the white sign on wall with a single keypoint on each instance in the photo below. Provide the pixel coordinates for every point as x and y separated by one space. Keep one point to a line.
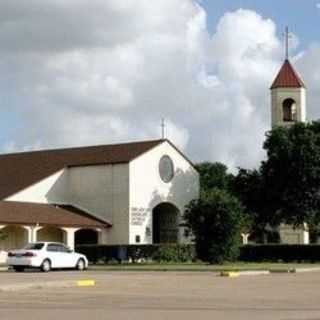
139 216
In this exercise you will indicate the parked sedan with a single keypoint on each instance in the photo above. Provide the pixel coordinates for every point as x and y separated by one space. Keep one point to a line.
46 256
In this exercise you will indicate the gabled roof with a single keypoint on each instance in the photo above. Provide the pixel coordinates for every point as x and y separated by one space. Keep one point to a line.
287 77
12 212
20 170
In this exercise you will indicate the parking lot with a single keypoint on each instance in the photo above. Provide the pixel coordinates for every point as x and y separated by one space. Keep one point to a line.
161 295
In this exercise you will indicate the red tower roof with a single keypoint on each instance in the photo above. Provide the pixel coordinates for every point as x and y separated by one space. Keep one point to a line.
287 77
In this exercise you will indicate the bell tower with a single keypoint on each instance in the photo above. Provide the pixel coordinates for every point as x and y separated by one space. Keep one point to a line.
288 95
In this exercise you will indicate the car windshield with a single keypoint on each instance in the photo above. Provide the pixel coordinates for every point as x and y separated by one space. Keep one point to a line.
34 246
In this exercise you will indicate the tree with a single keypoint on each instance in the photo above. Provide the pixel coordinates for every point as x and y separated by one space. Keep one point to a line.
291 174
215 221
214 175
248 187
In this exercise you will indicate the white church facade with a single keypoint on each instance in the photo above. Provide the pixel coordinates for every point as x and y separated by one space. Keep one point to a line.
132 193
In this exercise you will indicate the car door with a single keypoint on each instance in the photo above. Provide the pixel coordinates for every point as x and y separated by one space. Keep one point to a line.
66 257
54 255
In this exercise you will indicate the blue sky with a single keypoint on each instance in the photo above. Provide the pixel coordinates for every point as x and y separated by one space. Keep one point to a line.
302 16
80 72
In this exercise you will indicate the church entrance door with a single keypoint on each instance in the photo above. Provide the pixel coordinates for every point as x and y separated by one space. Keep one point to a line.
165 223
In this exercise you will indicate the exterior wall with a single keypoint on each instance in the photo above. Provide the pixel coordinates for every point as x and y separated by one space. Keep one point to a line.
50 234
104 192
101 190
290 235
278 95
287 233
147 190
52 189
16 237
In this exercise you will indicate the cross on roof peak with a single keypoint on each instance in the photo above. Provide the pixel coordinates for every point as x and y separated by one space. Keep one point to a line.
163 127
287 36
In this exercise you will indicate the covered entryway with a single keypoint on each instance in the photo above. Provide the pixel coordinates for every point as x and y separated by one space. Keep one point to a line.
53 234
14 237
86 236
165 223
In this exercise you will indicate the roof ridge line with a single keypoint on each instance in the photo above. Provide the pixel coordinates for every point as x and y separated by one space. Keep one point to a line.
83 147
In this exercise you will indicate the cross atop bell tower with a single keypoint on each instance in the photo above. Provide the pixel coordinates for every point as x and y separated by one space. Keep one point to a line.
287 37
288 93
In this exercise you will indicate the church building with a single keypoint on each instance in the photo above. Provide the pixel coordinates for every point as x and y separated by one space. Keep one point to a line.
131 193
288 106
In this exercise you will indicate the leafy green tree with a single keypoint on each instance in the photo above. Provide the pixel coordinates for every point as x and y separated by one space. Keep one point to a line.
214 175
215 221
248 187
291 174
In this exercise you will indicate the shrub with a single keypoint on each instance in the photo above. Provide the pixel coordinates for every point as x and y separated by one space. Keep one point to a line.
280 252
175 253
137 253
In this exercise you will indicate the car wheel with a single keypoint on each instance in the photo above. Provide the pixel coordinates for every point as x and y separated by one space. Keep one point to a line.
46 266
18 269
80 265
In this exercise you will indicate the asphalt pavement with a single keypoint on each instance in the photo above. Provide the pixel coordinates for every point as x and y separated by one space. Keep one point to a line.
162 295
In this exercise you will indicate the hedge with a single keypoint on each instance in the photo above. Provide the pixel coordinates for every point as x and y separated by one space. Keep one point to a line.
138 253
179 253
280 252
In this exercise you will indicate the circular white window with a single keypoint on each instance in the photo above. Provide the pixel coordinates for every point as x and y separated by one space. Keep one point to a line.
166 169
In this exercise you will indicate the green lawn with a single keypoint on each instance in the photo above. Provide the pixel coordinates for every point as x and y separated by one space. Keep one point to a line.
239 266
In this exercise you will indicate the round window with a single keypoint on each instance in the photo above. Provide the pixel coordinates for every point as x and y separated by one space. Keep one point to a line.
166 169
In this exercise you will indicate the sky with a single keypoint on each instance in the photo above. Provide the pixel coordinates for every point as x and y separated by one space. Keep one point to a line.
79 72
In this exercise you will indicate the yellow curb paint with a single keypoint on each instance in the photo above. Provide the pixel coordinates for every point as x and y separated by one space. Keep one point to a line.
85 283
229 274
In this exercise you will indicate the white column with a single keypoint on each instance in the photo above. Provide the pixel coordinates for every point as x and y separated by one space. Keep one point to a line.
306 236
69 236
100 236
35 230
3 253
32 233
29 233
245 237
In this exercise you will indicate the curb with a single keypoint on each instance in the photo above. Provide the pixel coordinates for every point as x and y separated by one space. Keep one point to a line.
301 270
291 270
229 274
254 273
86 283
234 274
48 284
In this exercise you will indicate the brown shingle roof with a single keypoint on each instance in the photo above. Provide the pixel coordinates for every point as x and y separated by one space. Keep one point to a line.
287 77
20 170
12 212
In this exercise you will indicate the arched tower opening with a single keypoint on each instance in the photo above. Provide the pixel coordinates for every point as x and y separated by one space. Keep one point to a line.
289 110
288 97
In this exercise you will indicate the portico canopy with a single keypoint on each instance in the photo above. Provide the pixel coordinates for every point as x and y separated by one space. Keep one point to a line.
13 212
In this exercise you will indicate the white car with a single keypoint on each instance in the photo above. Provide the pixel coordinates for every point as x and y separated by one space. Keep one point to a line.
46 256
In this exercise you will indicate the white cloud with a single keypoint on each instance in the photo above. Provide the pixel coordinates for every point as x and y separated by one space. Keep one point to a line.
79 72
318 5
